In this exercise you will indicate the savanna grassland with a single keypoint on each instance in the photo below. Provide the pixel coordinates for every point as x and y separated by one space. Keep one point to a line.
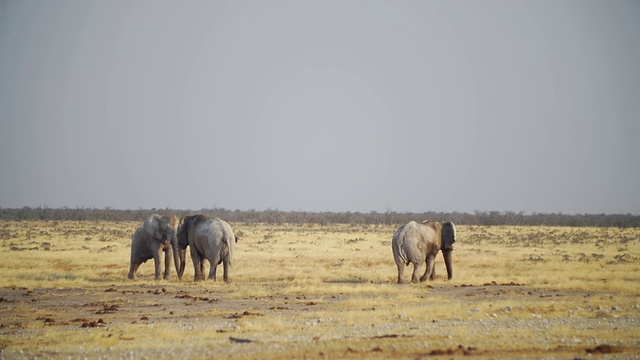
311 291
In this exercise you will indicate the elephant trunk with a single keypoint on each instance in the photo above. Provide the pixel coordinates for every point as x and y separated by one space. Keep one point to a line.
448 262
176 254
183 263
178 261
448 238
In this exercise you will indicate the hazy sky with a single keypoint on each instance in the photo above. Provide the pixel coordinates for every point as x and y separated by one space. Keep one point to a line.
321 105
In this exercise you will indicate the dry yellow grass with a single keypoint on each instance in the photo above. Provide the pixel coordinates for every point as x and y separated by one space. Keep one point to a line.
321 291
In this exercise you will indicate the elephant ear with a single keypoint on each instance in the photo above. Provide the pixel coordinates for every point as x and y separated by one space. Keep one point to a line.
448 235
153 226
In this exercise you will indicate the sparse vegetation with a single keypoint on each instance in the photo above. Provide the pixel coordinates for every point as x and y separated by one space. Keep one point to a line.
313 290
274 216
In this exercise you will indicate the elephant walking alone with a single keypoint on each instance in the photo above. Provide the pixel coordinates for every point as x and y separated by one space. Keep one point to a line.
414 243
156 235
209 238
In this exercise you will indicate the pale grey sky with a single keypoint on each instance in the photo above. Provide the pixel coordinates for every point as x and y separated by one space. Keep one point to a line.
321 105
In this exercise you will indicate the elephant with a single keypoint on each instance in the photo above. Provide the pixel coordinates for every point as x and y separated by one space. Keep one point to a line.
209 238
419 242
155 235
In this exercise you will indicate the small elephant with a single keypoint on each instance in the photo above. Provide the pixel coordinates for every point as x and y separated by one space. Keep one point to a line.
157 234
419 242
210 239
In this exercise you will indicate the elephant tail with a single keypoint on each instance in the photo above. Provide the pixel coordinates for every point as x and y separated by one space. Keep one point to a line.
398 246
402 253
230 240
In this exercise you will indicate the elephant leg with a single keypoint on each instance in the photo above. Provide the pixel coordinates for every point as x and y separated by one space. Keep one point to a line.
198 266
226 265
135 263
134 269
158 263
430 266
201 269
416 271
400 266
138 267
213 262
168 259
212 271
433 272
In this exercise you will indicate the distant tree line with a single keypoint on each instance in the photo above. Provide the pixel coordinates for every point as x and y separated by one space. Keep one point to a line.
274 216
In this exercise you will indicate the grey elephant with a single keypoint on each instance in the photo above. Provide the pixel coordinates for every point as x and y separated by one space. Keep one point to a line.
156 235
209 238
414 243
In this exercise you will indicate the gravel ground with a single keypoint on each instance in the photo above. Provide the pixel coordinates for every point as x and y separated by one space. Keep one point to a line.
106 323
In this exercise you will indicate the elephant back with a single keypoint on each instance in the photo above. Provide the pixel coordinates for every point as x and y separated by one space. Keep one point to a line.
188 224
196 220
435 225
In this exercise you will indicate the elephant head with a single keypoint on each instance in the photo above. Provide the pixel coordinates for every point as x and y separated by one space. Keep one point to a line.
164 229
448 237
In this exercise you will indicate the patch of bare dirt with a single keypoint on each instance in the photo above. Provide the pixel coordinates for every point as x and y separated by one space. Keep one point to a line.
115 307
